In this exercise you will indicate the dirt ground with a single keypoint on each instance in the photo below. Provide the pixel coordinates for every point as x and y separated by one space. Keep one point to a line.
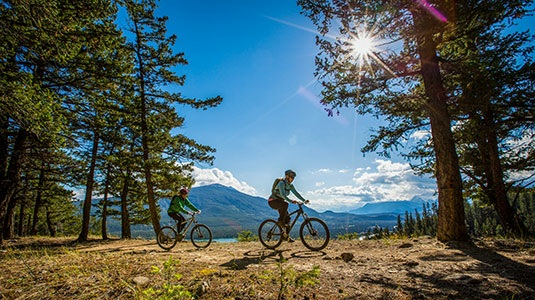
421 268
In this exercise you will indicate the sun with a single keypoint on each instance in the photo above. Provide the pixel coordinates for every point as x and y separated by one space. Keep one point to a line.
362 46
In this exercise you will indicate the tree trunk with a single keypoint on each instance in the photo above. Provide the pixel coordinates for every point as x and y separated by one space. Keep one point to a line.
147 165
38 202
86 214
508 218
9 230
125 218
103 229
451 219
50 224
9 185
20 224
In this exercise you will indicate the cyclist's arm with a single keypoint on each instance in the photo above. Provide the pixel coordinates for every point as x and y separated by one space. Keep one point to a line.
190 205
296 193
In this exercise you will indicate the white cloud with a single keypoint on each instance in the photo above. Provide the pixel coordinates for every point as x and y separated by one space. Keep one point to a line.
388 181
322 171
215 175
420 134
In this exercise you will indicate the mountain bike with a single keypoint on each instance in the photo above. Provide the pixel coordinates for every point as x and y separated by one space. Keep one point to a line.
314 233
200 235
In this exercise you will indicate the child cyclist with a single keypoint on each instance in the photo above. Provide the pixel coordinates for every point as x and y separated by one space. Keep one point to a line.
178 207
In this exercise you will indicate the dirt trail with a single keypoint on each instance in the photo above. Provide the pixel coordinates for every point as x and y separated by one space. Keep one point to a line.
420 268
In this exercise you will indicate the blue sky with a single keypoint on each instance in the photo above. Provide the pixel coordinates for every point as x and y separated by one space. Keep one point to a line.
259 56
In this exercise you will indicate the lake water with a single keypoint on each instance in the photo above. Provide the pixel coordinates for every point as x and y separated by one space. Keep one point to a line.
225 240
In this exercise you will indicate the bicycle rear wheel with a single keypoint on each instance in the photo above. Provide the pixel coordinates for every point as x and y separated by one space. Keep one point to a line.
270 234
167 237
314 234
201 236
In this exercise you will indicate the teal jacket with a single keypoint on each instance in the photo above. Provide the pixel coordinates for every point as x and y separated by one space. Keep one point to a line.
284 188
179 204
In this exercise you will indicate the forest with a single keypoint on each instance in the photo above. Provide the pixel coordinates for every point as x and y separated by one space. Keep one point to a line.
87 101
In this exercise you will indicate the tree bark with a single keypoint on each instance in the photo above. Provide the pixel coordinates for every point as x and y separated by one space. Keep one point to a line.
451 218
508 218
125 217
12 179
103 228
38 202
86 213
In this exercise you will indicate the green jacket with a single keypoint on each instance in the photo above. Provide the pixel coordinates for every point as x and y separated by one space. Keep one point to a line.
179 204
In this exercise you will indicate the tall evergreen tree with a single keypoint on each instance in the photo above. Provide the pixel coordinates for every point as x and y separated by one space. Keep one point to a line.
404 87
490 67
154 60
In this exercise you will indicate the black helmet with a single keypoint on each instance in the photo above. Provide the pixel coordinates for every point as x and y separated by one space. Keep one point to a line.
290 173
184 191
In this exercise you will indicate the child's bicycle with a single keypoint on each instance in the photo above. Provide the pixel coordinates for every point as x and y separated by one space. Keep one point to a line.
314 233
200 235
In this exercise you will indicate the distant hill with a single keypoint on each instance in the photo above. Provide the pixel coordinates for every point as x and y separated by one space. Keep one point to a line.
391 207
228 212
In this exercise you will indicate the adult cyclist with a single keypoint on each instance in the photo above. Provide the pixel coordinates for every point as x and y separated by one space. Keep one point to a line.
279 200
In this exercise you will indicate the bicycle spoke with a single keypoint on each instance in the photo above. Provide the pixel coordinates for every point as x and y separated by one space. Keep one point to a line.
166 238
270 234
201 236
314 234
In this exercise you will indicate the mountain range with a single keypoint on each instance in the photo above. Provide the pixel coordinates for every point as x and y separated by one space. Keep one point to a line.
392 207
228 212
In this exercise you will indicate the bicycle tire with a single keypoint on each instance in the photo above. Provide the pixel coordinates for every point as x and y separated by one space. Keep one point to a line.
167 237
314 234
270 234
201 236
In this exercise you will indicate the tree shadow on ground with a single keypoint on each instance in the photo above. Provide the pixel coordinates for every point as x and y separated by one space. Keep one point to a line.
91 245
494 262
268 256
461 283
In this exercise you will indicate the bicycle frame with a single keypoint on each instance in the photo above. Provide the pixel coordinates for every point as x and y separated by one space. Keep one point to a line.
314 233
299 212
191 220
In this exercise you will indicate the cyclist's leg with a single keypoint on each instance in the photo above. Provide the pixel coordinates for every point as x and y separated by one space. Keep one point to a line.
181 223
179 220
282 207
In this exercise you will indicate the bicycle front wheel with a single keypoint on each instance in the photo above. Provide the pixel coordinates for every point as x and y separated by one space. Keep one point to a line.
270 234
167 237
314 234
201 236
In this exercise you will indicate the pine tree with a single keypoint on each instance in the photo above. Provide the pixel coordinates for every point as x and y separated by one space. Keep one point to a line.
492 73
407 92
154 58
424 85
